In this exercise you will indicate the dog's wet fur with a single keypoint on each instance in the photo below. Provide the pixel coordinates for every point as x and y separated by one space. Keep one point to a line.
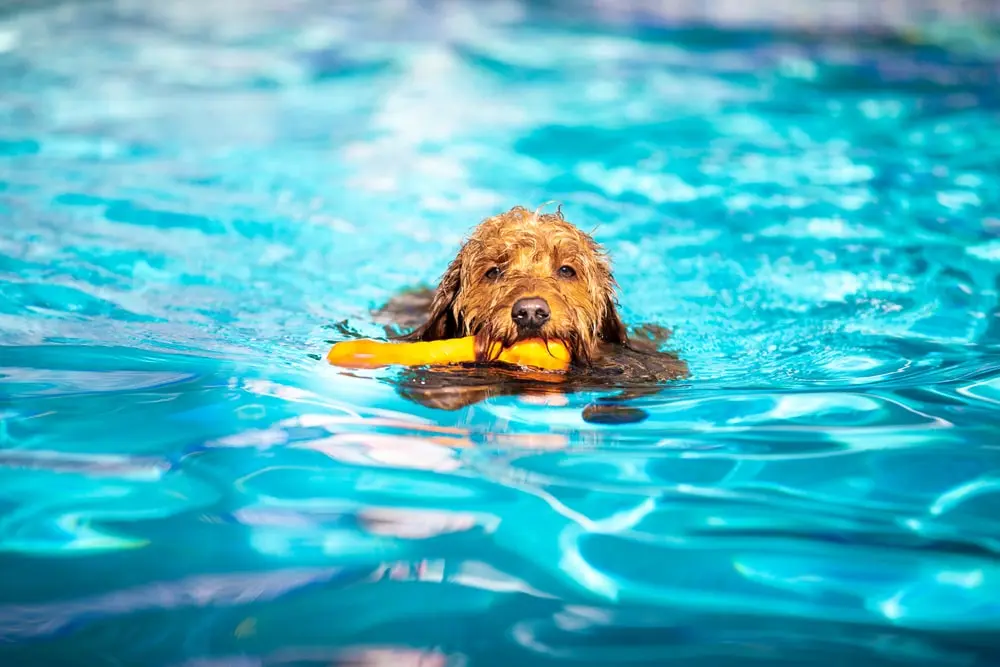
526 274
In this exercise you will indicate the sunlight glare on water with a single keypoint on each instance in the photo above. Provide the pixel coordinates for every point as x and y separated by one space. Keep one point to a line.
196 199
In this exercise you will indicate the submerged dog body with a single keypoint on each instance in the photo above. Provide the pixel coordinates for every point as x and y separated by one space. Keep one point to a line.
524 274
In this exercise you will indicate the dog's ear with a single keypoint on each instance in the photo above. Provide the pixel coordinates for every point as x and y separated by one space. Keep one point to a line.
612 329
441 322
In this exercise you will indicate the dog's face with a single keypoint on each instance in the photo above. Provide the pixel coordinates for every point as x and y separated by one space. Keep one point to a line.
527 275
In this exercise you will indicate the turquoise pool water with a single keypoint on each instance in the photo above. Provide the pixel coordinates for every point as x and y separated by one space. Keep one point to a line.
194 198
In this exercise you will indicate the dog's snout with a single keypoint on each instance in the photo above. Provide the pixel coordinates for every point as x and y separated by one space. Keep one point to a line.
530 313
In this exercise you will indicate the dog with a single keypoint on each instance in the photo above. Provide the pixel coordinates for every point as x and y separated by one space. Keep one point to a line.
526 274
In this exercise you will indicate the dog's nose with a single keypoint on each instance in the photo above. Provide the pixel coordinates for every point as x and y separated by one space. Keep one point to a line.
530 313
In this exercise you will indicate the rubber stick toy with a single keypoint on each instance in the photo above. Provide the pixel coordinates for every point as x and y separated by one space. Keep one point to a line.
534 353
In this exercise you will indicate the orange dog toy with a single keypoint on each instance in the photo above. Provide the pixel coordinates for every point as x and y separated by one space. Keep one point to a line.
535 353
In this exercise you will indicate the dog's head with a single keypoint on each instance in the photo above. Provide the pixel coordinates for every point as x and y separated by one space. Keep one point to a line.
525 274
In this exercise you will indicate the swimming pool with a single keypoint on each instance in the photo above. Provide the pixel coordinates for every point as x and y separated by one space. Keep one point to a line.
196 200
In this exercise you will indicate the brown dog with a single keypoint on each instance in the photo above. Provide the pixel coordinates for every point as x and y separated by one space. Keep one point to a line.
525 274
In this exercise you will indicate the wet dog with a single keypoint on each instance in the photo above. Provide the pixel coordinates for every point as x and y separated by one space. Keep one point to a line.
525 274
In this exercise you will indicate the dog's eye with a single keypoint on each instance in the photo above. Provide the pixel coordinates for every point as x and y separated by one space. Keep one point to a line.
493 273
567 272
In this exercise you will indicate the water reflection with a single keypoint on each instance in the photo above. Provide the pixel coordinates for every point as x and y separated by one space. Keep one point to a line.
194 197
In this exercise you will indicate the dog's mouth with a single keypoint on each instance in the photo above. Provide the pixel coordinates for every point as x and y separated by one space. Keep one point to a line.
521 318
492 340
531 331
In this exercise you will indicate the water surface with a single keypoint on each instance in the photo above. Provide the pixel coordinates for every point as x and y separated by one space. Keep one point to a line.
195 200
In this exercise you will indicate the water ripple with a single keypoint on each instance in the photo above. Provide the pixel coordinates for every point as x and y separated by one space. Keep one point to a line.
198 201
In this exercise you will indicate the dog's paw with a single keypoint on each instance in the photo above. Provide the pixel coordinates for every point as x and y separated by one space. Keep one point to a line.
613 415
649 337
